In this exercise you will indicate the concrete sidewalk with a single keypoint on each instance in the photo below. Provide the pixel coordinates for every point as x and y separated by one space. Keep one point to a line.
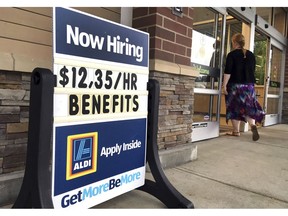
230 172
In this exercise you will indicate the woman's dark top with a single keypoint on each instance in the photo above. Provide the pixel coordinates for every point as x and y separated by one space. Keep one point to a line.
241 68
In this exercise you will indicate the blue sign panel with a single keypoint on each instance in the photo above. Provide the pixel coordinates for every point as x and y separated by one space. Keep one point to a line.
97 151
81 35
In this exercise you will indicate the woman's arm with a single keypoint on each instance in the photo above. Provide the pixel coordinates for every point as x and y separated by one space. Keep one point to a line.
225 81
227 72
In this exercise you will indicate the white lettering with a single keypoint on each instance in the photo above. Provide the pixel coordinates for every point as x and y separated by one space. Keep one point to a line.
111 44
113 183
82 164
70 34
132 145
76 166
116 46
110 151
83 38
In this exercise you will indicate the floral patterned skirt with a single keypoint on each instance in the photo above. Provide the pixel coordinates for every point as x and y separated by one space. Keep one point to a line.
241 102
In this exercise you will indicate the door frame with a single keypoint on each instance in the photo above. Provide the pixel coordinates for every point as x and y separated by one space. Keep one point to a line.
245 15
274 118
210 129
280 42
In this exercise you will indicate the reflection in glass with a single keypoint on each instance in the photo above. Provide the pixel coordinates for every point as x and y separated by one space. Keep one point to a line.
280 20
202 48
272 107
202 112
275 73
202 55
206 59
260 51
206 43
276 16
265 13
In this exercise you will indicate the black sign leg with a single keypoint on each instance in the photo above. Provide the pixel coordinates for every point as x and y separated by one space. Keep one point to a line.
35 191
162 189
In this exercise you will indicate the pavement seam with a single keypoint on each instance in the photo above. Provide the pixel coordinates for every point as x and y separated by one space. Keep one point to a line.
228 184
273 145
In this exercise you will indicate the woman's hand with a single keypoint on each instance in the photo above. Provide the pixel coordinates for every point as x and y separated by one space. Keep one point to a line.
225 82
225 90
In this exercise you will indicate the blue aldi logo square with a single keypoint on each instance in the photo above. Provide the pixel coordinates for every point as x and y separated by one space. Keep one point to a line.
81 155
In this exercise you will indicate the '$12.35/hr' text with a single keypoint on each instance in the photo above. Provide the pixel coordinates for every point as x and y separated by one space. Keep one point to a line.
81 77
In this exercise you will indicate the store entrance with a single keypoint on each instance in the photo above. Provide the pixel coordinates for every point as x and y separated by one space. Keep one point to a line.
269 70
273 85
207 36
211 42
272 80
233 25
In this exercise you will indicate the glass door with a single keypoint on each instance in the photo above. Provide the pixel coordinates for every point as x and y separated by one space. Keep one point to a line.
261 51
274 84
207 37
234 24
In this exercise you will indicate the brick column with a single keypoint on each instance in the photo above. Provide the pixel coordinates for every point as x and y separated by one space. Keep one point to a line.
170 35
170 51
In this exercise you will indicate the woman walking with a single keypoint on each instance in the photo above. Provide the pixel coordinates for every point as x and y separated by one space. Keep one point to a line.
238 86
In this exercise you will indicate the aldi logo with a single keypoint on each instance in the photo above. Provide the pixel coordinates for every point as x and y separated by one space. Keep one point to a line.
81 155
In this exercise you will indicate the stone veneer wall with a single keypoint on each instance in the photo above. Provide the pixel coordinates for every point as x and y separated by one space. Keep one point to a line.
175 109
14 117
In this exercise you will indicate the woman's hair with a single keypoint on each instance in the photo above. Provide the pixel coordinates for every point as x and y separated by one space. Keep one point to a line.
239 38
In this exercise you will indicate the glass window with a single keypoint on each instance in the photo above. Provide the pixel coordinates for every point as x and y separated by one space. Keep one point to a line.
277 17
273 104
202 109
265 13
205 50
279 21
206 58
233 26
260 51
275 73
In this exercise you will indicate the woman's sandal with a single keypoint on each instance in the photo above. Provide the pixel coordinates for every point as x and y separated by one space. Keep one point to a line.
255 134
233 133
